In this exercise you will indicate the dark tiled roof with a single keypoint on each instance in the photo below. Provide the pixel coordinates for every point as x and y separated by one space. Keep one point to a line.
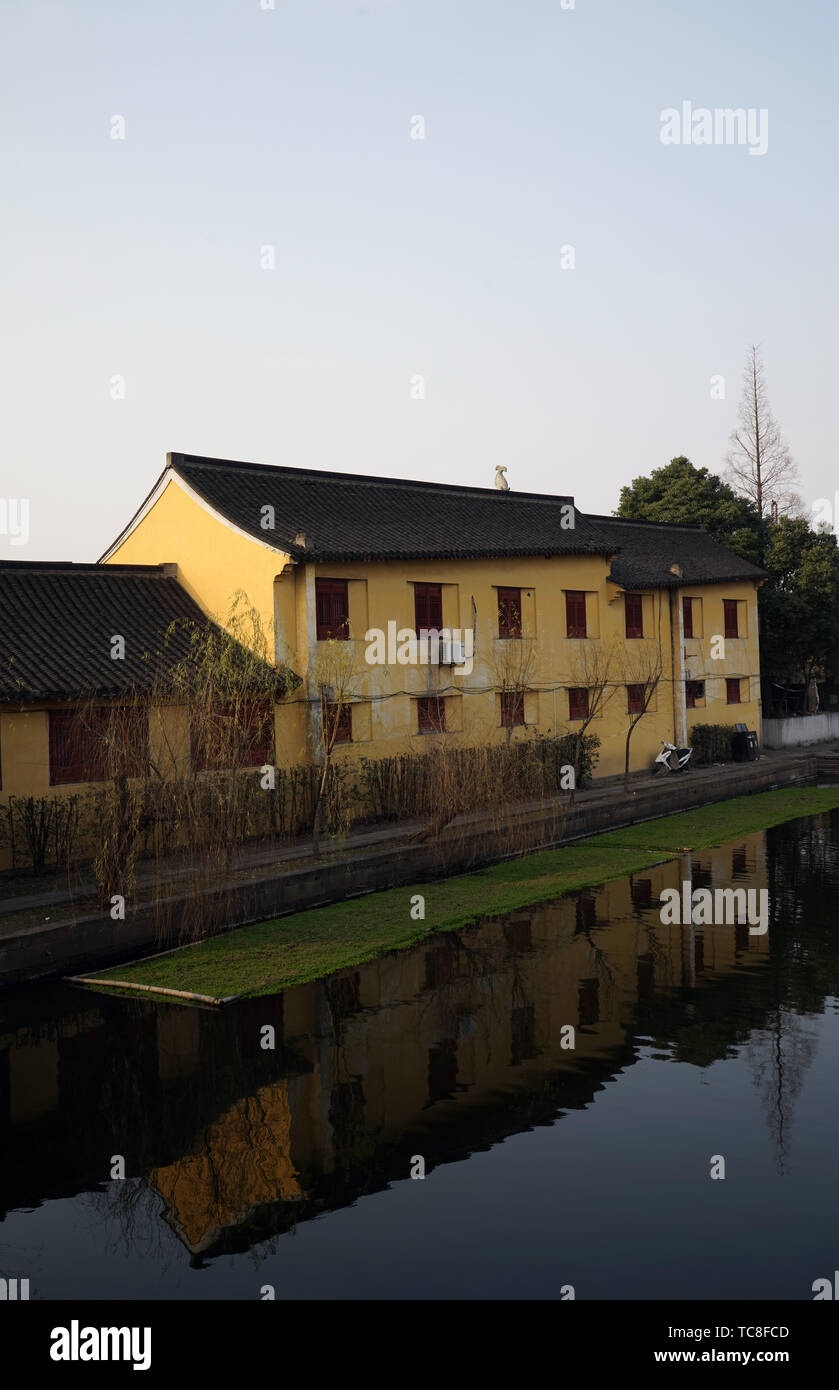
647 550
57 621
346 516
338 517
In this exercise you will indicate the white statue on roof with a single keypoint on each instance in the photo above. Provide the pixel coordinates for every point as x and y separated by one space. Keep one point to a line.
500 481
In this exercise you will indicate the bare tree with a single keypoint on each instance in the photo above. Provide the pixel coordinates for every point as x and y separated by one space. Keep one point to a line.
642 672
513 673
336 679
760 465
594 671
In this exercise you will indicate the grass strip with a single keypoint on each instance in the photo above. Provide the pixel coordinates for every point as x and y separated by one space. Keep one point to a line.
305 946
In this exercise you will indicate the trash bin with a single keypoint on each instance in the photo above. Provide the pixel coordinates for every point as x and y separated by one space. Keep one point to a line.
744 747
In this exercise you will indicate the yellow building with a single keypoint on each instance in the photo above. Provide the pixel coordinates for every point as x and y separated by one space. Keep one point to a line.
93 662
549 621
551 613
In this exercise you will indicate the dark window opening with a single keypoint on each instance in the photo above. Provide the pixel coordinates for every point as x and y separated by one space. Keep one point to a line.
518 934
732 690
346 1116
332 609
343 731
687 617
509 612
732 628
701 876
586 914
645 974
428 608
575 613
589 1002
578 703
431 714
642 892
694 690
233 735
512 708
522 1035
634 615
442 1070
636 697
440 966
90 745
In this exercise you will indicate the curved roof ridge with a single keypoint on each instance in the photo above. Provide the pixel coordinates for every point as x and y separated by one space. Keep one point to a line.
647 521
361 479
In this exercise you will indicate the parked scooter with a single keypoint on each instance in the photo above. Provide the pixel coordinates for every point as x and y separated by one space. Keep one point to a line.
672 759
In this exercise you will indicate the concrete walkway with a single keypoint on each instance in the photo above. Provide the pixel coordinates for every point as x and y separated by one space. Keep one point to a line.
605 801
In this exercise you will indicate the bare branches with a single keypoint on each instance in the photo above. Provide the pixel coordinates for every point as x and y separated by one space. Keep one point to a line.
594 671
642 668
760 465
336 678
513 667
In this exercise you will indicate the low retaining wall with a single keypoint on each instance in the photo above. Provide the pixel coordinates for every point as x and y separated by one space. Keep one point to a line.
38 952
801 731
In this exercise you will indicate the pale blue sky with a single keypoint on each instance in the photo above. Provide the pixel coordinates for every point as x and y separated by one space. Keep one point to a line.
396 257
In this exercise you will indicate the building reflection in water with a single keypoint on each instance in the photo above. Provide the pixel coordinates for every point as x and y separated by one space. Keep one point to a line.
439 1050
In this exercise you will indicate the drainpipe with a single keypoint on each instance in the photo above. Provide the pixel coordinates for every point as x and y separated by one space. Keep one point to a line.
680 721
312 691
687 877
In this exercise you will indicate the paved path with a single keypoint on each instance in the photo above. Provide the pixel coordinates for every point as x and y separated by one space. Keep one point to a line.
273 855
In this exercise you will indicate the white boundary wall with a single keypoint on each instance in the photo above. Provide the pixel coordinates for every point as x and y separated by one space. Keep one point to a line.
795 733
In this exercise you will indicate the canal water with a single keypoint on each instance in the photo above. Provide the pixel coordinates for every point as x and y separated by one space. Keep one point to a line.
546 1166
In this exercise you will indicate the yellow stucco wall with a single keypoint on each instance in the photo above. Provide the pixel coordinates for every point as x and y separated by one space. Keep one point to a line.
25 761
214 562
557 661
735 657
24 752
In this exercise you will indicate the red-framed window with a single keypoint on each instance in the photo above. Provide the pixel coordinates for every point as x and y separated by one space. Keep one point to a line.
431 714
91 745
694 690
343 733
332 607
589 1002
509 612
635 699
732 690
732 626
585 913
578 702
687 617
512 708
233 735
428 608
634 615
642 892
575 613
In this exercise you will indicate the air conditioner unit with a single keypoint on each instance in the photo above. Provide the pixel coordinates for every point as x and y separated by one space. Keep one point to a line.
452 654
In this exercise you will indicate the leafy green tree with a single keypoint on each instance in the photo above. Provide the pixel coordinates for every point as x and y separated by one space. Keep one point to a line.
799 603
682 493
